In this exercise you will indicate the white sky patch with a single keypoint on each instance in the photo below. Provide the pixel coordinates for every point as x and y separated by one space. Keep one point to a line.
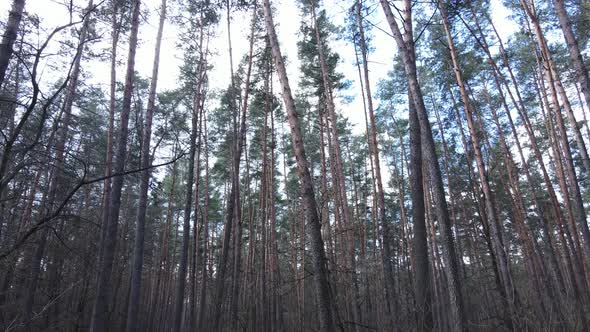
288 19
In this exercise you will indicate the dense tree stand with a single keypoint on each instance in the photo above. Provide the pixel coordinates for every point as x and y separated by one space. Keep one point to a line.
309 165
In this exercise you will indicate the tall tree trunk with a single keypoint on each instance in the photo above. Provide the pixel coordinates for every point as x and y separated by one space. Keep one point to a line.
339 175
407 52
498 79
532 262
386 254
238 209
135 292
203 291
508 291
56 180
101 303
574 50
572 254
522 112
556 89
368 141
196 228
420 243
188 199
9 36
318 254
264 212
162 265
234 195
106 196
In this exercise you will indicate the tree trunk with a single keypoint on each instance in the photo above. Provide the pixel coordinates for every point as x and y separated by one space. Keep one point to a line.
386 254
498 79
420 244
196 113
162 265
56 181
106 196
318 254
555 88
135 292
99 314
234 194
493 223
9 36
238 209
407 52
574 50
203 291
339 175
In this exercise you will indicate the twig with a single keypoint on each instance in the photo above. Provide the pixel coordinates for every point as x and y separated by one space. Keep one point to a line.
57 212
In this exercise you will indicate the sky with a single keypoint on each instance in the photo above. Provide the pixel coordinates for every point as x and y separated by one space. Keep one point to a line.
287 17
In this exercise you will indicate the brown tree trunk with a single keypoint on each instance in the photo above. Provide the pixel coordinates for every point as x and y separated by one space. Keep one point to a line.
556 89
339 175
238 238
162 267
135 291
9 36
318 254
196 229
574 50
386 254
420 243
572 254
493 222
407 52
106 196
203 292
100 310
368 141
196 114
56 180
554 267
234 194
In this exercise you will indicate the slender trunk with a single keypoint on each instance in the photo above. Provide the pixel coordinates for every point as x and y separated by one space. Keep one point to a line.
234 194
100 310
498 79
493 222
368 141
264 205
574 50
196 229
196 114
522 112
56 180
532 260
238 209
572 254
556 89
407 52
162 266
9 36
339 175
106 197
135 292
318 254
386 254
203 292
420 243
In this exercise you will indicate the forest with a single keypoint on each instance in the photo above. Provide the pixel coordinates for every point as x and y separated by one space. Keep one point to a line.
301 165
